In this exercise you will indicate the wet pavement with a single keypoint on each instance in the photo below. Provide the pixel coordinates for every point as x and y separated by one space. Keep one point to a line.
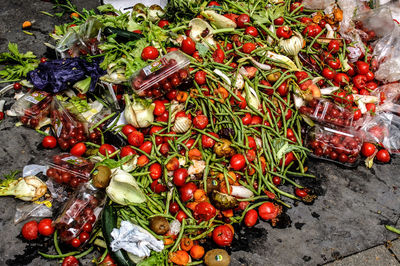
345 225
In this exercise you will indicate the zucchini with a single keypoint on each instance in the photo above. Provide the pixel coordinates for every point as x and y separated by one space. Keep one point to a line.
108 223
122 35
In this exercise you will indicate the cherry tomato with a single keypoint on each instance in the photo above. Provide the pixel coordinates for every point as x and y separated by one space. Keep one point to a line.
181 215
300 192
360 81
312 30
368 149
87 227
246 119
371 85
295 6
251 217
78 149
83 237
218 56
174 208
248 47
128 129
371 107
334 63
200 77
106 149
341 79
301 75
30 230
200 122
17 86
142 160
222 235
268 211
238 162
204 211
306 20
328 73
49 142
279 21
213 3
45 227
146 147
70 261
159 108
208 142
370 76
180 176
150 53
283 89
383 156
334 46
362 67
136 138
276 180
155 171
351 72
158 187
163 23
357 114
284 32
188 46
251 31
187 191
289 157
127 151
75 242
242 20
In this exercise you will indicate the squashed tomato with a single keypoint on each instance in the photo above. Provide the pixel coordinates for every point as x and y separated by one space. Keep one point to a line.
222 235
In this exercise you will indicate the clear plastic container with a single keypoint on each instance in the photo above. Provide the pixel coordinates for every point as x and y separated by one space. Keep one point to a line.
327 113
69 128
339 146
80 213
67 169
33 108
169 72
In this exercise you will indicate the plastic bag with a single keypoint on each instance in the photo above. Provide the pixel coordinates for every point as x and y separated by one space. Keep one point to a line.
387 54
389 98
25 210
384 129
375 22
317 4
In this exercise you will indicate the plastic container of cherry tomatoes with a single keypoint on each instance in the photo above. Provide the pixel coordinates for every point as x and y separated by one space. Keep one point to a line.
327 113
161 76
80 214
33 108
339 146
69 128
68 169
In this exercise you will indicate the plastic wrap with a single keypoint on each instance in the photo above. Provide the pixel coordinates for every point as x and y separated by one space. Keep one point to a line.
80 213
26 210
317 4
376 23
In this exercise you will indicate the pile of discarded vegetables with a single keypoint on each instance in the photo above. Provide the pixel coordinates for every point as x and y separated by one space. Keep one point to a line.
176 125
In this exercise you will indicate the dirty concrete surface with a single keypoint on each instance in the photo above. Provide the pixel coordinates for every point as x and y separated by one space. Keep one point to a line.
348 217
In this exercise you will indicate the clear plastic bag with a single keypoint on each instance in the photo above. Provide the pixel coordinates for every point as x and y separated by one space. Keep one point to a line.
317 4
377 23
26 210
389 98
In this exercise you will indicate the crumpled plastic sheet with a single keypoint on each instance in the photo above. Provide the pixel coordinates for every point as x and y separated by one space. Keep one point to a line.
25 210
57 75
317 4
134 239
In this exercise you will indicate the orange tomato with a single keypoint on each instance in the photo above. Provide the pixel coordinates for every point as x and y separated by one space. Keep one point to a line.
197 252
186 244
179 257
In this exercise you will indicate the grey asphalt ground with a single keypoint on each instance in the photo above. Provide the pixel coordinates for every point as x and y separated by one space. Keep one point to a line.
345 225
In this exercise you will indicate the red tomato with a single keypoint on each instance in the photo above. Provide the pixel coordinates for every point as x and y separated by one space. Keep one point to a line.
127 151
328 73
142 160
248 47
334 63
362 67
370 76
312 30
289 157
181 215
383 156
159 109
146 147
360 81
204 211
83 237
246 119
208 142
49 142
252 143
188 46
218 56
45 227
128 129
155 171
136 138
301 75
351 72
70 261
213 3
279 21
238 162
164 148
200 77
305 20
368 149
371 107
30 230
163 23
251 155
268 211
334 46
341 79
251 217
200 122
283 89
295 6
87 227
300 192
357 114
242 20
251 31
79 149
222 235
75 242
284 32
180 176
371 85
276 180
158 187
106 149
187 191
17 86
150 53
174 208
